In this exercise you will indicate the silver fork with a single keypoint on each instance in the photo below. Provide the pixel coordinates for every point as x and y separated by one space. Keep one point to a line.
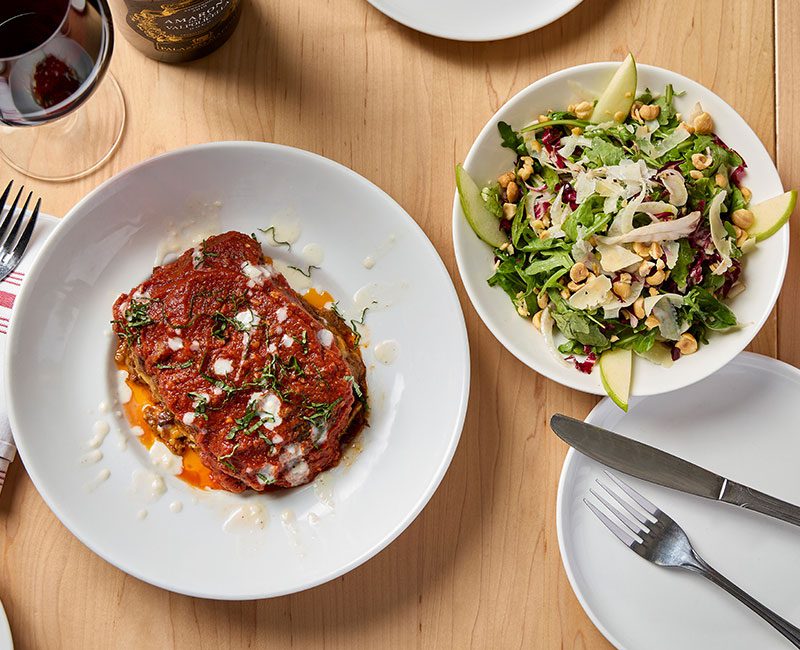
12 243
657 538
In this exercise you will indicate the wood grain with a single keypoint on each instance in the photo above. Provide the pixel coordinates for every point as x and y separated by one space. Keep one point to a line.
480 567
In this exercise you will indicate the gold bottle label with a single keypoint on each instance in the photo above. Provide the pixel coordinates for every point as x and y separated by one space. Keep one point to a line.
180 25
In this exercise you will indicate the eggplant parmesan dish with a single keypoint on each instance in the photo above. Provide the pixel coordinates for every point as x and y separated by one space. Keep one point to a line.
258 384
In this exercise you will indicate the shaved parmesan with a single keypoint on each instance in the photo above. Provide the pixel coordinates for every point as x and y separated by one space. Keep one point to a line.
614 257
670 142
676 186
657 207
594 293
623 222
582 251
662 307
585 186
559 210
612 309
571 142
718 234
659 231
671 250
652 301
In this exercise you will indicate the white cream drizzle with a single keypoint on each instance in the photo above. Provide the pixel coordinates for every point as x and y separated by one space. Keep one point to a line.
123 390
100 430
247 518
102 477
386 351
163 458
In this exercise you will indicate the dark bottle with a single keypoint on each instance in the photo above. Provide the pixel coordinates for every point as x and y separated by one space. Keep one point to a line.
177 30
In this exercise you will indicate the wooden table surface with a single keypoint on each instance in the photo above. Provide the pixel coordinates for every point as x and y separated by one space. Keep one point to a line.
480 566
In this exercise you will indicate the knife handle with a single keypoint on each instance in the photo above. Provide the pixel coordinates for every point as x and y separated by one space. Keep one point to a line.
746 497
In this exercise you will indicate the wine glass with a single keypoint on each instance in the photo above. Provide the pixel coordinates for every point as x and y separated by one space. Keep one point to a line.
57 121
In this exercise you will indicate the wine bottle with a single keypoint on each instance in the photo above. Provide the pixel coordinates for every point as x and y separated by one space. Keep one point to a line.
177 30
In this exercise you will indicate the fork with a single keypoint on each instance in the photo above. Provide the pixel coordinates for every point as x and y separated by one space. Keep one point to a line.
653 535
12 243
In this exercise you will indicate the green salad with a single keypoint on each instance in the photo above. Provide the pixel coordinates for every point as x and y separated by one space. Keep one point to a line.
622 226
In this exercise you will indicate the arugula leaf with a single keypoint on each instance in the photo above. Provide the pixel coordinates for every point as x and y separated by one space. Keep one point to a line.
519 225
574 324
680 272
737 200
557 260
603 152
664 102
551 178
590 215
638 341
706 308
511 139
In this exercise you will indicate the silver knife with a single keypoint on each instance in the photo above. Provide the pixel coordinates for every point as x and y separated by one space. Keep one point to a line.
656 466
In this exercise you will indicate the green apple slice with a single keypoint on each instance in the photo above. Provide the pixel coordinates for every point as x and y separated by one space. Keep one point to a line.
619 93
615 372
771 215
483 222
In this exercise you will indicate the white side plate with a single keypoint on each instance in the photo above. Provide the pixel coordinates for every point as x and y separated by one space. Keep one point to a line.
474 20
741 423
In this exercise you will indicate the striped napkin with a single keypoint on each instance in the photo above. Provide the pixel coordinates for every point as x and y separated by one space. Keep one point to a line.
9 288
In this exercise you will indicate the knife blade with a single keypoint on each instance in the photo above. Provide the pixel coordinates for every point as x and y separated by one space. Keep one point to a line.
656 466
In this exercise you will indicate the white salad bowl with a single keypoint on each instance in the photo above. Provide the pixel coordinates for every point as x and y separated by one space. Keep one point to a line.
764 268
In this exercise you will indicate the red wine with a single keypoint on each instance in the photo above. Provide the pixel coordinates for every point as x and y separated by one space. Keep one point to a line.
27 24
52 54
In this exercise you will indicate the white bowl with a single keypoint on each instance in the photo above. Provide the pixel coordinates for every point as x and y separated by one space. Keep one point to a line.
763 270
60 369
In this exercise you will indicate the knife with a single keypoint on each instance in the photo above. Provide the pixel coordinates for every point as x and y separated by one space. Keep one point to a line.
656 466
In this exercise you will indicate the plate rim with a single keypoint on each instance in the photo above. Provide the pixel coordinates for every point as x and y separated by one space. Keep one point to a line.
60 232
570 460
472 37
504 340
5 629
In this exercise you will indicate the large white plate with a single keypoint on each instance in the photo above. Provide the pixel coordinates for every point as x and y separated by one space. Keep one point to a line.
742 423
474 20
60 370
6 642
763 270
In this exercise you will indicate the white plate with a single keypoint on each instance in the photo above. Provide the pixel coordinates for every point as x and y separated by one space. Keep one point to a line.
764 268
6 642
474 20
61 371
741 423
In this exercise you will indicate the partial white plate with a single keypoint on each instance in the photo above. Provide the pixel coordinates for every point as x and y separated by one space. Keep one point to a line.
60 370
763 270
6 642
740 423
474 20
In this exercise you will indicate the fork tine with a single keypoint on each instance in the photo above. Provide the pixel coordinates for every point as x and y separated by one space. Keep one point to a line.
622 535
4 197
633 512
8 243
636 529
24 238
10 214
633 494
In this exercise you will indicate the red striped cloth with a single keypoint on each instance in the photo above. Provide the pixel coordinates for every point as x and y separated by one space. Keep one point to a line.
9 288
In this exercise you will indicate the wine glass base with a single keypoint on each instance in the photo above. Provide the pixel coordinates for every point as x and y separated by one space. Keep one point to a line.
73 146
